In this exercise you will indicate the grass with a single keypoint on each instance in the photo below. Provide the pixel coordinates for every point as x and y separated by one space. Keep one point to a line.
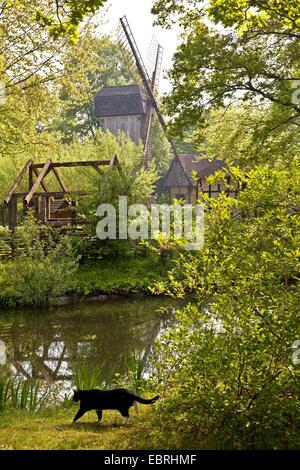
124 276
53 429
29 284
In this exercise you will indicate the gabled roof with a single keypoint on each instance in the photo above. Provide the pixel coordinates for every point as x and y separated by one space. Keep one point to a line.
184 166
121 101
191 163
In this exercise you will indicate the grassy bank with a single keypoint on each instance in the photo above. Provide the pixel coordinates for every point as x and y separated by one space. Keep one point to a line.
53 429
36 283
124 276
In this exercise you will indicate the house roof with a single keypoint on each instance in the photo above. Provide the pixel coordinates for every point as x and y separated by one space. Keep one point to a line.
120 101
189 163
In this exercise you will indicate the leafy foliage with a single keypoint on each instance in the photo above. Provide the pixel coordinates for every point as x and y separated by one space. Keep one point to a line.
252 56
40 273
94 62
227 363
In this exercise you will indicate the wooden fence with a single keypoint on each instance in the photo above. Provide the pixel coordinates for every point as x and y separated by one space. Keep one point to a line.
15 242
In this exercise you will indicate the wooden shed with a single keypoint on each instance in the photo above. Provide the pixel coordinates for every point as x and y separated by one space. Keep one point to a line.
123 108
180 184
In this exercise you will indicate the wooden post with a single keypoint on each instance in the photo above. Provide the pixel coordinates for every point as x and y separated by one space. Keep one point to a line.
2 215
25 207
228 182
36 207
47 208
30 184
38 181
42 209
12 212
18 181
73 205
12 223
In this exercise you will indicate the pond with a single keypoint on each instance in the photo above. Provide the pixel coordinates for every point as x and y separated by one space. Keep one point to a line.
48 345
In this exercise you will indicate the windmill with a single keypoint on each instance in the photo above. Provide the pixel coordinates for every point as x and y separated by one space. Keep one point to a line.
131 108
150 83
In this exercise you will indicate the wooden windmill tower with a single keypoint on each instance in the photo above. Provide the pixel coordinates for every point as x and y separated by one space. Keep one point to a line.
131 108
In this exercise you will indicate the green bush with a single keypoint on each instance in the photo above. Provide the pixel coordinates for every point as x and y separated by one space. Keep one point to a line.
226 365
41 271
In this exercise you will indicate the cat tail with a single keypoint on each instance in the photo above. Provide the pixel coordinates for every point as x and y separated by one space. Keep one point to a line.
144 401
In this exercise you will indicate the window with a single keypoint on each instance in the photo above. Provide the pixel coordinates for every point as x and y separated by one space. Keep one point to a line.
180 196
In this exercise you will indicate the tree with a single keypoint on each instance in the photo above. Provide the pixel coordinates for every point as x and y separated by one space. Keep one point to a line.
30 62
94 62
45 28
132 181
266 16
247 134
162 154
254 58
226 365
25 118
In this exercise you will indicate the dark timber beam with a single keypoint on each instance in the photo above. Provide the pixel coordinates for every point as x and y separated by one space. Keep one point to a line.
18 181
115 162
13 212
43 184
56 194
38 181
75 164
59 179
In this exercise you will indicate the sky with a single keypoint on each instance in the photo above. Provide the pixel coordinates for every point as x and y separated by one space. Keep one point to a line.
139 16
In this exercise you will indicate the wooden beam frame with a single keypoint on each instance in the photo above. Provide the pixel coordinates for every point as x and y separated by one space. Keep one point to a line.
75 164
59 179
43 184
38 181
115 162
44 198
18 181
56 194
13 212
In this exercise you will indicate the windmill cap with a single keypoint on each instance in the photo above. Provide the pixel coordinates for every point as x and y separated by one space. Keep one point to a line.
121 101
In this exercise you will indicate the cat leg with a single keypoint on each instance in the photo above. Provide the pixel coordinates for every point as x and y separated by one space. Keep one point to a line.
125 414
99 414
136 406
80 413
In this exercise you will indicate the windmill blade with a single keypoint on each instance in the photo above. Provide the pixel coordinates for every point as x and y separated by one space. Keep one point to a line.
148 140
135 50
127 53
157 70
147 82
154 59
154 62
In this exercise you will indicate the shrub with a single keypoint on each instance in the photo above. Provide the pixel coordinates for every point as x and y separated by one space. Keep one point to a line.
40 273
226 365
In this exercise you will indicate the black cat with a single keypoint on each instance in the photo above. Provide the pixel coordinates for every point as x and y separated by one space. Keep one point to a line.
119 399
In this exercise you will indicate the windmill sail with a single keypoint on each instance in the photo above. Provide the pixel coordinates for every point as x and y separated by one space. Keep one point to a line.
154 62
150 83
155 54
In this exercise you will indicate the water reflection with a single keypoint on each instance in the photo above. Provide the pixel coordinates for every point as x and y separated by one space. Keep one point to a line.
47 345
